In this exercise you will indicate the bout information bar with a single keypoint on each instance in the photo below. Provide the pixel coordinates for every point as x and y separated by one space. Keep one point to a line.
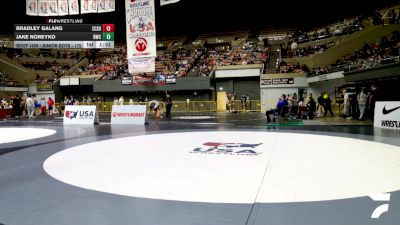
64 36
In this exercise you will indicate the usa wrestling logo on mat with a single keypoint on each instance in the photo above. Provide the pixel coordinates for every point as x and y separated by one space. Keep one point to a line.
217 148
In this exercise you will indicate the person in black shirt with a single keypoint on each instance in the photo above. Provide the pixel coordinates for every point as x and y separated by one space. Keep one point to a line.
168 106
327 104
375 96
17 106
311 106
320 100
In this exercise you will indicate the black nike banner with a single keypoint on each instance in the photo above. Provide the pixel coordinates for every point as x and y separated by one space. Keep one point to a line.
387 115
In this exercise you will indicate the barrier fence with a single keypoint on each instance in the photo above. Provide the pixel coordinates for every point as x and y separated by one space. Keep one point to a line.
186 107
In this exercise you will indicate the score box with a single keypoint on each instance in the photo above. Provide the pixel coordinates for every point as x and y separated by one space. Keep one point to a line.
108 27
108 36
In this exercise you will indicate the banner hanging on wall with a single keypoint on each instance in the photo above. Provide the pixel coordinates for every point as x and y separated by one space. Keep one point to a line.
73 7
62 7
32 7
141 35
43 8
53 8
68 7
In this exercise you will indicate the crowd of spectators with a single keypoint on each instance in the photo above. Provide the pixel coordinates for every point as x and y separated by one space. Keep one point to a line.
65 54
384 51
285 67
225 56
344 28
112 66
200 61
7 81
290 52
178 62
115 66
58 69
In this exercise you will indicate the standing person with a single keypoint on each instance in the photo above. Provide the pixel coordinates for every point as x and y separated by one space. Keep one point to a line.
30 106
71 100
228 102
294 97
243 101
17 106
168 105
232 102
320 106
346 104
43 106
327 104
248 102
121 100
375 96
37 104
130 102
50 103
141 99
65 102
115 101
362 103
155 105
311 106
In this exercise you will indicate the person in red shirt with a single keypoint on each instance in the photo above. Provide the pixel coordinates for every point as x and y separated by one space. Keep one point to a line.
50 103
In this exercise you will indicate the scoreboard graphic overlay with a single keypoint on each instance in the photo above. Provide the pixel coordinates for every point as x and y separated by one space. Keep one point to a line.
67 36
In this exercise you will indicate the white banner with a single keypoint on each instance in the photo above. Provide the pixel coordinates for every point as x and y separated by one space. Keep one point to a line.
85 6
76 114
387 115
106 6
129 114
43 7
142 65
141 30
53 8
102 6
62 7
111 6
73 6
166 2
32 7
93 5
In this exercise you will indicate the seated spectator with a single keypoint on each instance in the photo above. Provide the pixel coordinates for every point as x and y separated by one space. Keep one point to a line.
280 108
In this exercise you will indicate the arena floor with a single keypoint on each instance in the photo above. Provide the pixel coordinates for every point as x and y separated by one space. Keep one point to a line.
205 169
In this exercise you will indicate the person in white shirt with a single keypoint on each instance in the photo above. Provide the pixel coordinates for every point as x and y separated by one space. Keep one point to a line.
362 103
346 104
130 101
30 106
121 100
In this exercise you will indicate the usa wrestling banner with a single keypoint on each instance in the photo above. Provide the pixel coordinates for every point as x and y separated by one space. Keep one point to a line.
141 35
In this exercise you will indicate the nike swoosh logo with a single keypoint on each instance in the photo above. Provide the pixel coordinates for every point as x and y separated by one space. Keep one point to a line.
385 111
